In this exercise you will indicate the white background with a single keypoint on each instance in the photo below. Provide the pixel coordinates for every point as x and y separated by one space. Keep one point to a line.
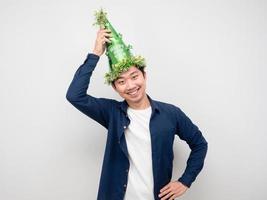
207 57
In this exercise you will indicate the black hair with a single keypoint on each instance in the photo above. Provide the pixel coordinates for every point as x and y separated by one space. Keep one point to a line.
141 69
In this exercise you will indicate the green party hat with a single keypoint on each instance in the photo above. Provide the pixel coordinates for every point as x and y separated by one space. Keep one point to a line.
119 55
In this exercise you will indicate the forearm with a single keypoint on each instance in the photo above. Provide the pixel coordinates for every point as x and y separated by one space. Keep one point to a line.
195 161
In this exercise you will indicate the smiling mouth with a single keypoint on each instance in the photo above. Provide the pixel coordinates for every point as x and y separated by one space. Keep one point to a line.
133 93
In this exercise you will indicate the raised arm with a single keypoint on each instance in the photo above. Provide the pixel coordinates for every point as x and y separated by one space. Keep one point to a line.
98 109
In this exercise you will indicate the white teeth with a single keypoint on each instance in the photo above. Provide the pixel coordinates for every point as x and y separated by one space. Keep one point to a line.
132 93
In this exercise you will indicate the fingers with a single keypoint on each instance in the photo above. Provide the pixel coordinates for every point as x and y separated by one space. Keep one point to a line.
164 195
170 194
177 194
104 40
104 35
165 187
102 30
172 190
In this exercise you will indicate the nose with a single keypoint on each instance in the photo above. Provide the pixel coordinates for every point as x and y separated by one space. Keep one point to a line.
129 85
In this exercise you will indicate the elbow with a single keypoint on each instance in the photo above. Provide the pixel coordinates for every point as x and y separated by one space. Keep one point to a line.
70 97
204 147
74 98
206 144
200 146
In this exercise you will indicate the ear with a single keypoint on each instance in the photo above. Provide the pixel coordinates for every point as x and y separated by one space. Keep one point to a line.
114 87
145 75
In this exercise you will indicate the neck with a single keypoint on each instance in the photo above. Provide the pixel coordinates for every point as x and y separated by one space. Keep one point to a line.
143 104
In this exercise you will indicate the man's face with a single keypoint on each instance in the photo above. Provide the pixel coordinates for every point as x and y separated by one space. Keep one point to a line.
131 85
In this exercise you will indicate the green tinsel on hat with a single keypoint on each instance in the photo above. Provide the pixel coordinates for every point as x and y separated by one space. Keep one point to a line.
119 55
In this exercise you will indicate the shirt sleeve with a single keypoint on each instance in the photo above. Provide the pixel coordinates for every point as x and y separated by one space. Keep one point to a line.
189 132
98 109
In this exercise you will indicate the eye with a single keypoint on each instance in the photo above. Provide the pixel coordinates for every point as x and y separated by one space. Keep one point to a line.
135 76
121 82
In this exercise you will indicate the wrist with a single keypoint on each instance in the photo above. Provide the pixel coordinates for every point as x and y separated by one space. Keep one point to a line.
97 53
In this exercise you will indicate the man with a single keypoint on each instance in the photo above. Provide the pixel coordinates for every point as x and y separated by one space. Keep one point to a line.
138 157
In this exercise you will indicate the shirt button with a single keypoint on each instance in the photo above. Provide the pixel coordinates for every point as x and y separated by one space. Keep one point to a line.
126 170
118 141
124 127
124 185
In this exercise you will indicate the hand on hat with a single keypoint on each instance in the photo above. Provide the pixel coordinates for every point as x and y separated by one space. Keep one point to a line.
103 36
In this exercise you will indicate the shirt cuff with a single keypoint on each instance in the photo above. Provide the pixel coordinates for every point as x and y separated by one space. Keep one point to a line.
186 181
93 56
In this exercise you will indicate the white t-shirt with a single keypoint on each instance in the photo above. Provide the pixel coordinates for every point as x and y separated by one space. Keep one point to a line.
140 178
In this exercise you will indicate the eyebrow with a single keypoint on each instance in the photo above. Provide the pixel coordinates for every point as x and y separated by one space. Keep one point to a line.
130 74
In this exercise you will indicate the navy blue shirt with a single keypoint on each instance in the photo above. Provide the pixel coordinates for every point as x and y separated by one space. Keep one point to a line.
166 121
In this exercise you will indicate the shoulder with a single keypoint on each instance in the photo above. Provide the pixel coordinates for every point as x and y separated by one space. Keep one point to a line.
167 107
108 102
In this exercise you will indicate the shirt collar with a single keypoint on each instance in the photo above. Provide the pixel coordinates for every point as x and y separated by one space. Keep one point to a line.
155 108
